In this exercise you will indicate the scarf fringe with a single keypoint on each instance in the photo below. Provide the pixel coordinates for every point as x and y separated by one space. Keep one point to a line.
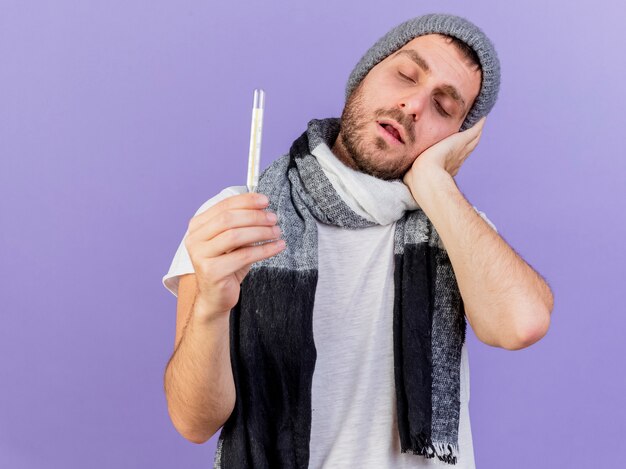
423 446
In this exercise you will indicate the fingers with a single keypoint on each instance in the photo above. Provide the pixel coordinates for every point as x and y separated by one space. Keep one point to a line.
232 219
472 135
476 130
225 235
247 201
466 143
478 126
236 238
245 256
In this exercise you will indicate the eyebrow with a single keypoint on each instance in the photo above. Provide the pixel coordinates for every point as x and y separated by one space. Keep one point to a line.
421 63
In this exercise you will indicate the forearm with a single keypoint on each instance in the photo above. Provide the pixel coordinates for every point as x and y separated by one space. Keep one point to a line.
506 302
199 384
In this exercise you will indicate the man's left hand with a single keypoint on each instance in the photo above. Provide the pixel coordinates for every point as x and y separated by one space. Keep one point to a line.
447 154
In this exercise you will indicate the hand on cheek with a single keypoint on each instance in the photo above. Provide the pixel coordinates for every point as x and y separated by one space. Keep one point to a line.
447 154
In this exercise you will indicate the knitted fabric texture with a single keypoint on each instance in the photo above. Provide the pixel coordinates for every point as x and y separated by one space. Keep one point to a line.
439 23
272 346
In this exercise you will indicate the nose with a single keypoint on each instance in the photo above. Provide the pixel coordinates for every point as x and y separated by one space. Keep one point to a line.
414 104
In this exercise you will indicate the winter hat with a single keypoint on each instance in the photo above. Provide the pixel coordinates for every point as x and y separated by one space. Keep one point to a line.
449 25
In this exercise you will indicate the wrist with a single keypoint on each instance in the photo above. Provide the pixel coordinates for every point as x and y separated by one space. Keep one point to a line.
426 181
206 314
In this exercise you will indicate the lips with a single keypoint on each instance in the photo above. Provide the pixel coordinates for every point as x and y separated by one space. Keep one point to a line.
391 130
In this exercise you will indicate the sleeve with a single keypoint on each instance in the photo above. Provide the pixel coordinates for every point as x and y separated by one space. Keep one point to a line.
181 263
484 217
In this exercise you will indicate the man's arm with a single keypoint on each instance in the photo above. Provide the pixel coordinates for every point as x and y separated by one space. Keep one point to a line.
507 303
198 379
223 243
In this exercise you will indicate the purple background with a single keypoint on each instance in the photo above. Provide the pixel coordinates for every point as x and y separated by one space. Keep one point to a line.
118 119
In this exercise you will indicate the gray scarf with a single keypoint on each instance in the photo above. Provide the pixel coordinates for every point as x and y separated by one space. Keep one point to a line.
271 328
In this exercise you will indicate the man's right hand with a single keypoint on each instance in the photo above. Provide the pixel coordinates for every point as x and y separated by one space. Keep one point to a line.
219 243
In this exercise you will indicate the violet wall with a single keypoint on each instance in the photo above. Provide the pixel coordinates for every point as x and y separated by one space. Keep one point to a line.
118 119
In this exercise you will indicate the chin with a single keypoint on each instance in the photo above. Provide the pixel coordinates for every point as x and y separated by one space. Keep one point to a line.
383 172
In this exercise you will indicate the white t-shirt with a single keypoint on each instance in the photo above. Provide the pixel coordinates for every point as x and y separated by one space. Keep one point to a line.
353 390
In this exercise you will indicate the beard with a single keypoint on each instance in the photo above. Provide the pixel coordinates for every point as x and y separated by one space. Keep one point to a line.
369 154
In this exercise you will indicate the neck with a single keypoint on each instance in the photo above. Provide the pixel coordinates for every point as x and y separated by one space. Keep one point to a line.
339 150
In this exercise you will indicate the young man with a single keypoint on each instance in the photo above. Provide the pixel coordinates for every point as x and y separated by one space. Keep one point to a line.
343 343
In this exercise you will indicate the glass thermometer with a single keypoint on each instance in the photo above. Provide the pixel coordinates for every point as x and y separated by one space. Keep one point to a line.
256 131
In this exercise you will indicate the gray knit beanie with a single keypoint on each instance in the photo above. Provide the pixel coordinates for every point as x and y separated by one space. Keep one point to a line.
449 25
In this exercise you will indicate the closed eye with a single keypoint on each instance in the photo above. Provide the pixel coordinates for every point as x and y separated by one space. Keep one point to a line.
441 110
404 77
